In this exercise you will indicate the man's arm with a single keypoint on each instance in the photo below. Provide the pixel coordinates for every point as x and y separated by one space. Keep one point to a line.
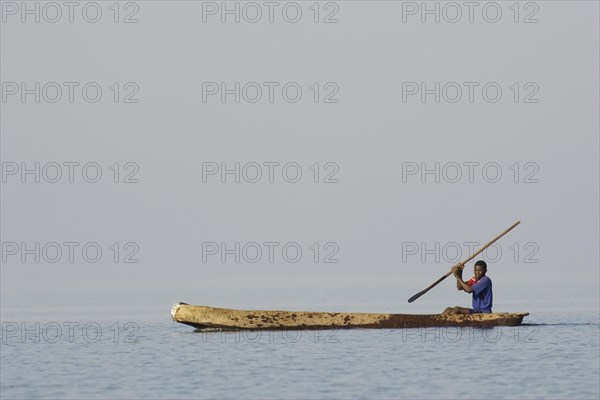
460 284
463 285
458 276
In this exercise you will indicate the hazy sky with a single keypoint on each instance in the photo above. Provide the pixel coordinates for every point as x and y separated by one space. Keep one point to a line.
515 98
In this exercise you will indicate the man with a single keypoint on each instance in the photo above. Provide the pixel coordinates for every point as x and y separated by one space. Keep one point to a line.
481 287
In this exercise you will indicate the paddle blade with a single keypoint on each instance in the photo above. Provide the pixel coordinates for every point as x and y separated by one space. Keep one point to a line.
416 296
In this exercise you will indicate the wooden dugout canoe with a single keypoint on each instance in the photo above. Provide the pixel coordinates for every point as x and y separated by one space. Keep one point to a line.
202 317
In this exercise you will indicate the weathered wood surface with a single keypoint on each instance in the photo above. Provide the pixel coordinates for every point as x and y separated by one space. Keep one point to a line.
203 317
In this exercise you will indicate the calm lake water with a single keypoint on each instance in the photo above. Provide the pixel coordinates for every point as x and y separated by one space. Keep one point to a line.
93 350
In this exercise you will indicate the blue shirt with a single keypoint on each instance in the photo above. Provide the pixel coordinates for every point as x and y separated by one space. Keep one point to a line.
482 295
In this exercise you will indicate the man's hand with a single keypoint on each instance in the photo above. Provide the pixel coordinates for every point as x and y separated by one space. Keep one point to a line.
457 269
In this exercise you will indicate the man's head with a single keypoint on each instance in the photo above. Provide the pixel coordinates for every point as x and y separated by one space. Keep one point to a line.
480 269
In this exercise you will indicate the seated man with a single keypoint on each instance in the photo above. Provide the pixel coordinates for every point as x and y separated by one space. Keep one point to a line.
481 287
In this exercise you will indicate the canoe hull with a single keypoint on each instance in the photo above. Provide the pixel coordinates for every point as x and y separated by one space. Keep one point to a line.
208 318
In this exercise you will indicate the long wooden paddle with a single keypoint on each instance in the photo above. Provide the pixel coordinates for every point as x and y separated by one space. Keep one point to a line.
422 292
